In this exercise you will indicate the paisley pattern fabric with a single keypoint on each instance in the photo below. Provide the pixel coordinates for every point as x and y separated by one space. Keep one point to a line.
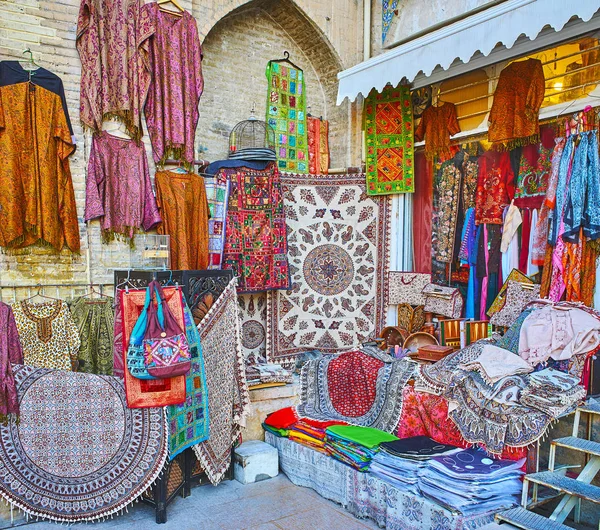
114 76
495 187
48 335
174 57
119 190
446 200
436 126
95 321
256 239
253 321
358 387
318 145
79 452
10 353
37 201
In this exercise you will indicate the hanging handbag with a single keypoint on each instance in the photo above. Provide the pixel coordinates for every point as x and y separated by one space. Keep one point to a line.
166 350
407 287
518 295
445 301
135 348
515 276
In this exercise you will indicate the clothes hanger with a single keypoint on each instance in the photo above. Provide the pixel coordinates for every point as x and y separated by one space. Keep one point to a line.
286 59
126 282
178 13
39 293
93 291
32 66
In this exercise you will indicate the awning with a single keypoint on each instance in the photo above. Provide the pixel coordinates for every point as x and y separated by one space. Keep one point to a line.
472 43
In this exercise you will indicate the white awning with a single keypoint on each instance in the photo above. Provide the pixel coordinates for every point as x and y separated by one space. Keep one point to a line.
469 43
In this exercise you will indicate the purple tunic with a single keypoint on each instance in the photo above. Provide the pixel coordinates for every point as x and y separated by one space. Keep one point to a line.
10 352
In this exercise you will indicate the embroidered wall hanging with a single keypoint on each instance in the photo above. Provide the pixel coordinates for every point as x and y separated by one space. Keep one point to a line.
338 247
286 113
79 452
389 139
217 195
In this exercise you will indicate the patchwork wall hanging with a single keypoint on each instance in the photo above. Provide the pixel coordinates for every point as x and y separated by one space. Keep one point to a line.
103 455
338 248
286 113
217 195
389 139
253 319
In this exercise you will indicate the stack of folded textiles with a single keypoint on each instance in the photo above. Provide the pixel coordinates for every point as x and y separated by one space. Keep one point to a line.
553 392
398 463
280 421
471 482
355 446
311 433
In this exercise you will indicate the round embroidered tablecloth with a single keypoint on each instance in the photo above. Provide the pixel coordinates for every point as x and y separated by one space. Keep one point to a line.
78 452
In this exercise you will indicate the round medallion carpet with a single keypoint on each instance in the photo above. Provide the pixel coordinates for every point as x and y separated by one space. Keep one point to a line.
78 453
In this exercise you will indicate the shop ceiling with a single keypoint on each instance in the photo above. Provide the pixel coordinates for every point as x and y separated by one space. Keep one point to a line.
510 29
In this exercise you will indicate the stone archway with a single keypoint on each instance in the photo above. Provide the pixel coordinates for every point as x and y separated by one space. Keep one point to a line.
236 50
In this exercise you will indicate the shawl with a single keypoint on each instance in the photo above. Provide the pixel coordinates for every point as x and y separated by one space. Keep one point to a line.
446 201
48 335
318 145
217 195
553 392
228 397
286 114
510 340
10 353
174 57
118 189
512 221
256 235
518 98
422 224
95 321
184 210
495 188
361 387
188 421
436 126
496 363
389 141
37 202
114 78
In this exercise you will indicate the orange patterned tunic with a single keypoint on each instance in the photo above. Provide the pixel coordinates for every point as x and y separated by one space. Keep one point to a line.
37 202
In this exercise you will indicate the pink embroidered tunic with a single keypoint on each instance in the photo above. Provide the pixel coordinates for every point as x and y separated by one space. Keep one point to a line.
114 76
175 61
118 189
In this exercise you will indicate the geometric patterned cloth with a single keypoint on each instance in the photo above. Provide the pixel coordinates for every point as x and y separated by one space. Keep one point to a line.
79 452
255 239
338 250
366 496
217 194
253 319
228 398
286 115
389 138
358 387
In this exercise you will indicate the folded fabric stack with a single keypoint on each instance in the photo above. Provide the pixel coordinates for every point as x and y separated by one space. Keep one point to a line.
399 462
280 433
553 392
267 373
280 421
471 482
495 363
253 153
355 446
311 433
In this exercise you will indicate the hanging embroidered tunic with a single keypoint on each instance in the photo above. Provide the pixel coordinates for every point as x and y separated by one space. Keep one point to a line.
37 202
175 61
436 126
49 336
95 321
517 101
114 77
118 190
495 188
184 210
10 353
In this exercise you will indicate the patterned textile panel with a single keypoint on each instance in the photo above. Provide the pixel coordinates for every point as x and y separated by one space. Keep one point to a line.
79 452
338 251
253 318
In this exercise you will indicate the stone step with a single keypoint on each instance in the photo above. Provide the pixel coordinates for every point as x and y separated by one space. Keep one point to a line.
567 485
578 444
521 518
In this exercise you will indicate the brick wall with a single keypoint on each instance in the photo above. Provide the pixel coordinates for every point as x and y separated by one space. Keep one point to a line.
323 37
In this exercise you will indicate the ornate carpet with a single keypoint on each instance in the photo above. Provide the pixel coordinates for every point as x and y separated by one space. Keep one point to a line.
358 387
338 250
228 397
253 318
79 453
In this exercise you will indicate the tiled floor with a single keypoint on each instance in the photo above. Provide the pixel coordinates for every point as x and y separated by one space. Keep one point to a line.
274 504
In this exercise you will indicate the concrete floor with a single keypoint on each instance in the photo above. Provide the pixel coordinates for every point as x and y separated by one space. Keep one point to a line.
274 504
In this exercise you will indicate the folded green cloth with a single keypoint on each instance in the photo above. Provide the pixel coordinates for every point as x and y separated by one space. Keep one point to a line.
365 436
282 433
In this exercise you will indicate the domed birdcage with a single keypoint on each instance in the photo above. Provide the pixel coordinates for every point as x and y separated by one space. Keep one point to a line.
252 139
